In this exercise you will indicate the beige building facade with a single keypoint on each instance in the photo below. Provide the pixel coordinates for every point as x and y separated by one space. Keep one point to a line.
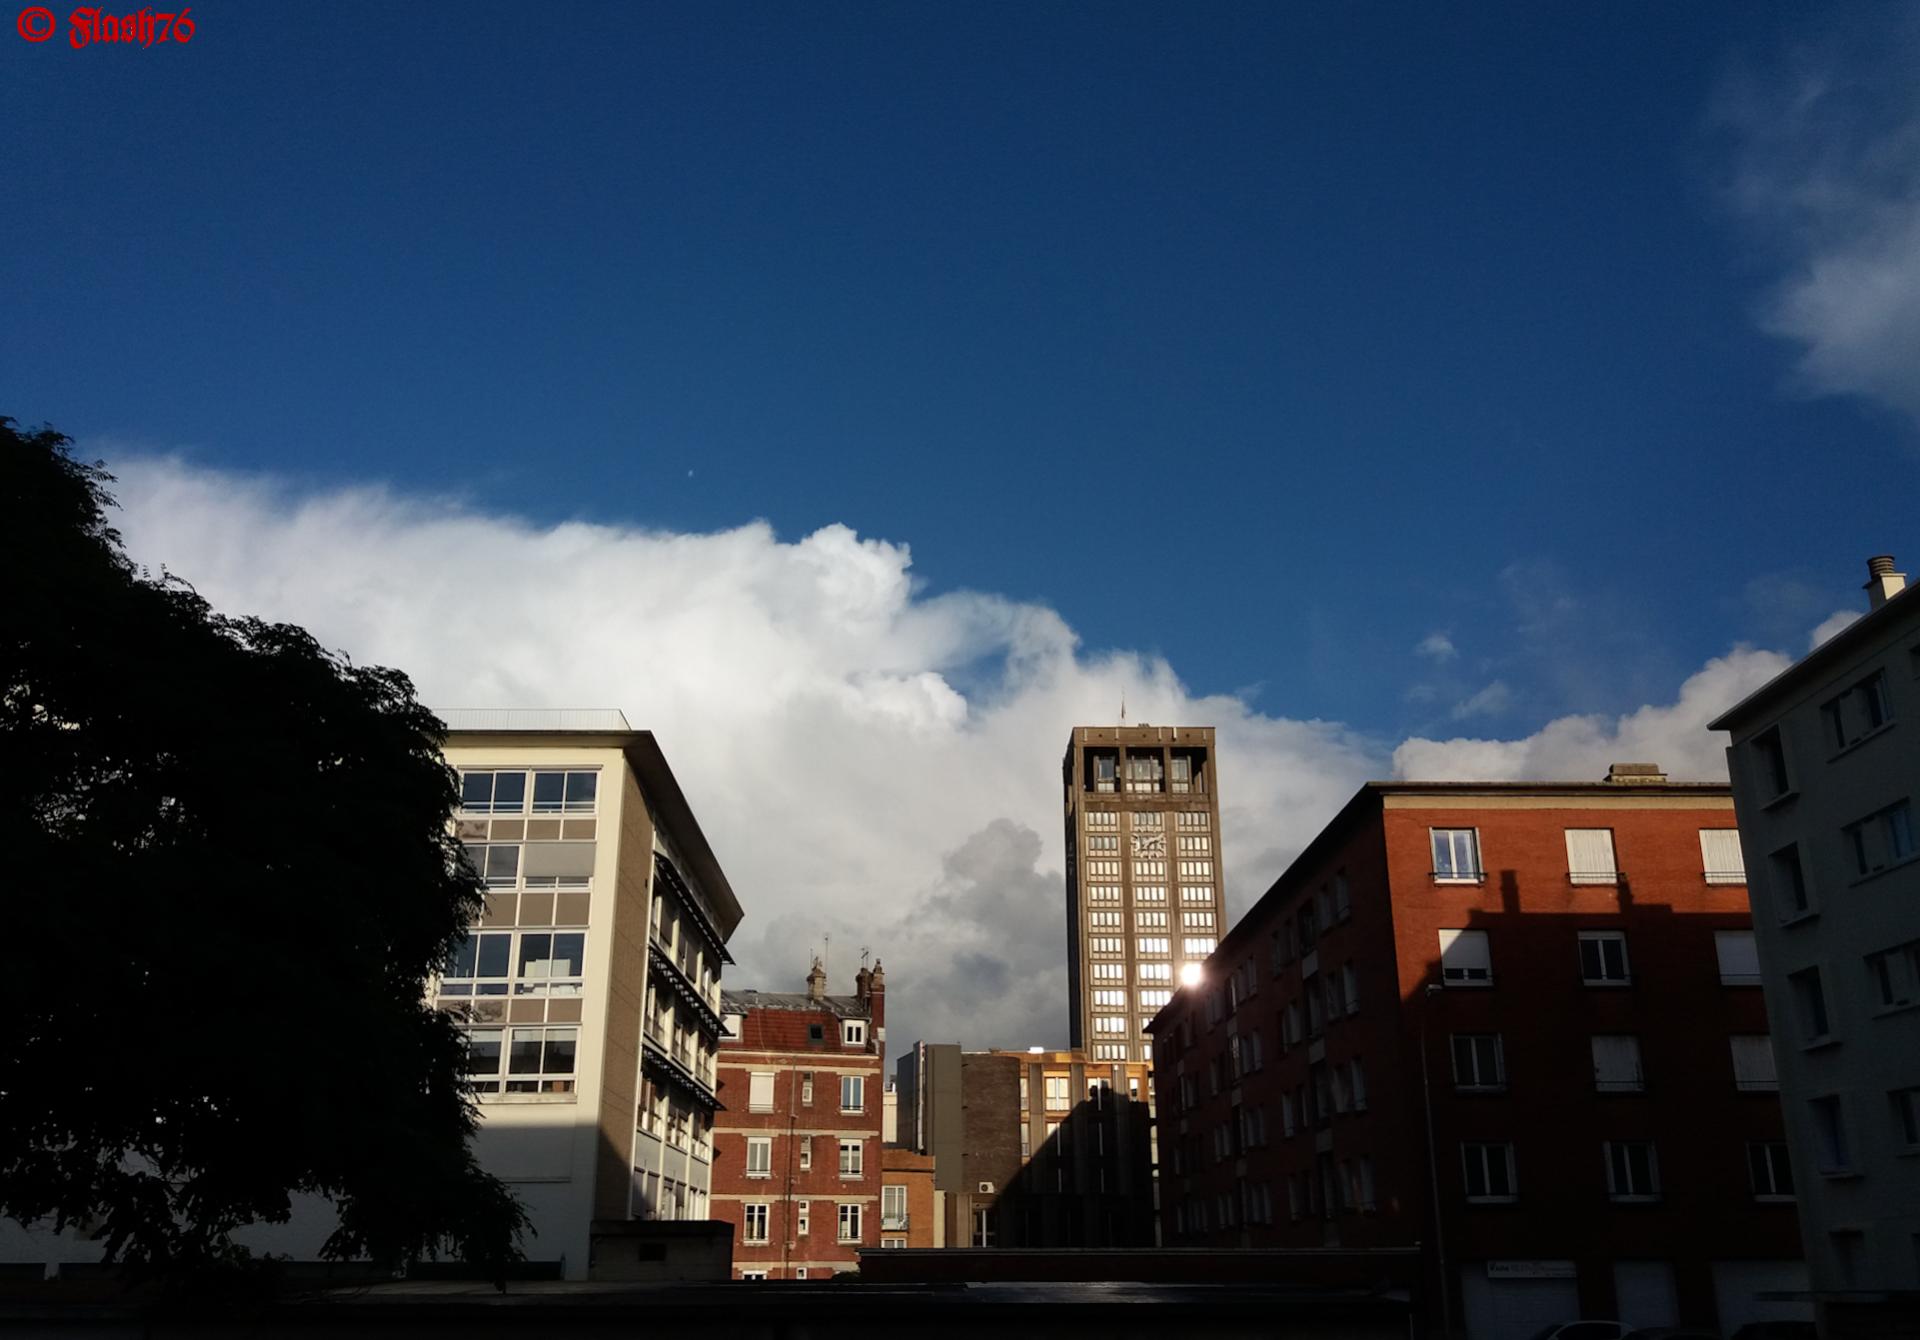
1826 775
1142 810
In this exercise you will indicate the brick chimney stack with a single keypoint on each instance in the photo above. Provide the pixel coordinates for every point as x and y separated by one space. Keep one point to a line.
873 990
817 981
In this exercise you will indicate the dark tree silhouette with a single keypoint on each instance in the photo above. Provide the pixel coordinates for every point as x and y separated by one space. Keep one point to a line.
228 873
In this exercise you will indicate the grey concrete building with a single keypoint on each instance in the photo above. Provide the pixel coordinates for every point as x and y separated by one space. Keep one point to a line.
1826 768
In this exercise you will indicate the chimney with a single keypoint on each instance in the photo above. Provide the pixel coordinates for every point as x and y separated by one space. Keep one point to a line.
877 1000
1882 581
1635 774
861 980
817 981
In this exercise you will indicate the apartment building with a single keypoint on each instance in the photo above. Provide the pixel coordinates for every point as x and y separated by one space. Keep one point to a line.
1826 776
1518 1025
1036 1148
797 1152
1143 879
911 1208
591 983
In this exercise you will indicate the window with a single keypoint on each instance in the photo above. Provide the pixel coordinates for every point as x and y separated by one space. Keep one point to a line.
1769 1171
1104 771
805 1143
802 1218
1830 1148
1590 856
1198 946
1739 959
852 1158
497 865
1109 999
853 1032
1197 921
1456 856
1103 893
479 966
1106 944
760 1091
1478 1063
1195 844
1150 944
806 1088
1103 842
759 1156
1104 920
1633 1173
1753 1067
753 1274
1143 772
539 1060
1720 857
1789 883
1181 776
893 1207
493 792
1465 959
849 1223
1489 1172
1109 1023
1810 1004
1770 763
1857 713
1058 1099
755 1227
551 965
563 792
1357 1084
1150 921
1616 1063
1881 840
1103 819
1906 1117
1603 958
1196 870
1149 893
1153 1000
1350 987
1895 975
1149 870
1342 909
853 1093
1154 972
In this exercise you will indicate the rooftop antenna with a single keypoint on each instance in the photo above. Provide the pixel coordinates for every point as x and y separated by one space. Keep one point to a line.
1123 707
826 947
865 954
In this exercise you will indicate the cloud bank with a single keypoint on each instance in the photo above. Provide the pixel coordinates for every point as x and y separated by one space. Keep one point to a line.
1826 170
807 696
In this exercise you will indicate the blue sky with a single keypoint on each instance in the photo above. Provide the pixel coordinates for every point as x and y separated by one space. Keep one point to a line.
1385 300
1440 390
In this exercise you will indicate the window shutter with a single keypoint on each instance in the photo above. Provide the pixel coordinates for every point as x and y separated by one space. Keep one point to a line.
1590 856
1753 1066
760 1090
1464 956
1616 1061
568 859
1739 959
1720 856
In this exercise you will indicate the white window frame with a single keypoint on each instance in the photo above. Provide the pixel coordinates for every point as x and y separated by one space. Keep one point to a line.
857 1086
747 1217
853 1158
763 1146
1620 1187
760 1090
1721 859
1626 960
1454 839
848 1222
1485 1151
853 1032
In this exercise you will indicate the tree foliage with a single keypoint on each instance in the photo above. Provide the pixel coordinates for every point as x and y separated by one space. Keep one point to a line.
228 873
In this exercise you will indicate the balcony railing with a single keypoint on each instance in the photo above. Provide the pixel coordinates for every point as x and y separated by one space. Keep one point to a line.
893 1222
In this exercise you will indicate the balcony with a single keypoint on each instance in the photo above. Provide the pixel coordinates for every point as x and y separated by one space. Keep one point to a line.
893 1223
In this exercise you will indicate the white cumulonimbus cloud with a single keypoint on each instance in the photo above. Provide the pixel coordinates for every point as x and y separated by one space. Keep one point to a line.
806 697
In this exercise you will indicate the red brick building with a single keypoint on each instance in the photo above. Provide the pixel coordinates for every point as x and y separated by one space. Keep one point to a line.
797 1146
1553 987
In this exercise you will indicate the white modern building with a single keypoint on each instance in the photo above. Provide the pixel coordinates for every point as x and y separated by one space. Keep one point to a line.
590 988
1825 762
